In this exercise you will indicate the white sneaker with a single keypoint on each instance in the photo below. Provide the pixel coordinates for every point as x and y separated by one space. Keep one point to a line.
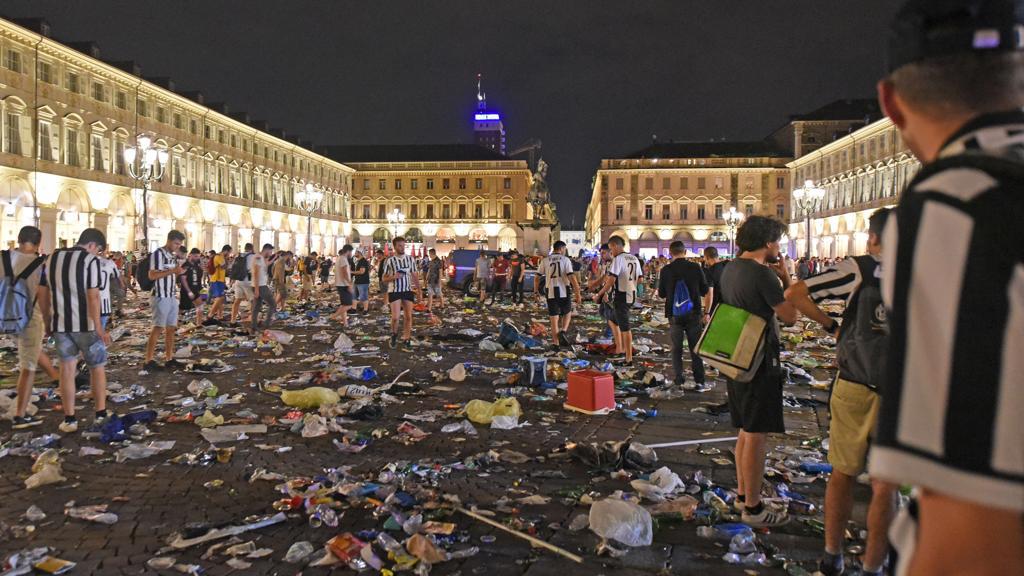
68 427
768 518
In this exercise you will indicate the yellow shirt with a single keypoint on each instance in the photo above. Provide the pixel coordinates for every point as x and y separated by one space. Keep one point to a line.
219 266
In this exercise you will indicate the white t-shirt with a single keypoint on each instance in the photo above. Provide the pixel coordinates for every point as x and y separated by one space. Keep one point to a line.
342 269
557 268
262 276
627 271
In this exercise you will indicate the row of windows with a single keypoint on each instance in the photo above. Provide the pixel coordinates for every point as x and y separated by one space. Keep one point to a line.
78 146
75 81
684 183
880 184
862 152
461 211
684 212
446 183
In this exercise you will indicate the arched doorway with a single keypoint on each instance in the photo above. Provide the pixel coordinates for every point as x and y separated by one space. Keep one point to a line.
16 210
382 239
414 242
194 228
478 238
161 220
444 241
120 224
507 240
72 216
648 245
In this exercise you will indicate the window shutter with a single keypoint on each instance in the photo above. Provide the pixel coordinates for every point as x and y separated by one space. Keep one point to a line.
106 155
54 143
25 128
82 159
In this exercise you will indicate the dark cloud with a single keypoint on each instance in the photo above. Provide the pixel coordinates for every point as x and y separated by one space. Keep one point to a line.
591 78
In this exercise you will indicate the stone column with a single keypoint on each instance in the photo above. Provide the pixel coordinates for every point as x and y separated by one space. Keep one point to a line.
492 242
100 221
206 242
48 226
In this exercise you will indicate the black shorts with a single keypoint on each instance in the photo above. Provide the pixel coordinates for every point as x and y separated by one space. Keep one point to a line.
345 293
756 406
559 306
396 296
607 312
622 310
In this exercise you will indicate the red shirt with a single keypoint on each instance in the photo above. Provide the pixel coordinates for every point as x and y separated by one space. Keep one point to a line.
501 267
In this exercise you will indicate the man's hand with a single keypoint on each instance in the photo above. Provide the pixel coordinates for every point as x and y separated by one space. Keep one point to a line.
179 270
104 336
780 269
597 297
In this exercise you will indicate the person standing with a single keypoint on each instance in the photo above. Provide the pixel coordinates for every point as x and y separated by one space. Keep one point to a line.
600 271
307 273
361 280
25 262
433 280
713 268
953 284
402 284
343 284
241 282
191 285
280 275
558 276
218 283
755 282
74 279
853 403
325 269
482 274
500 276
621 280
516 274
110 282
688 309
163 272
259 271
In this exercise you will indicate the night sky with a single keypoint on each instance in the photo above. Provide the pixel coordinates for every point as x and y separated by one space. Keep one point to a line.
590 78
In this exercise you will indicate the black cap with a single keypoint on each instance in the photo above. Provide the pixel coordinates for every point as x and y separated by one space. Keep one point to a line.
925 29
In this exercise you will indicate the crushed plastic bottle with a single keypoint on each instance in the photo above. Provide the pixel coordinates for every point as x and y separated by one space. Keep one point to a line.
363 373
298 552
743 543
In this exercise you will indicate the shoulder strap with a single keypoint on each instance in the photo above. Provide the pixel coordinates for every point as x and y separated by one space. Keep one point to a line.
30 268
866 264
8 270
1003 167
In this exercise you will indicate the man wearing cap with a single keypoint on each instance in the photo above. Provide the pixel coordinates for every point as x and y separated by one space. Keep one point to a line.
953 283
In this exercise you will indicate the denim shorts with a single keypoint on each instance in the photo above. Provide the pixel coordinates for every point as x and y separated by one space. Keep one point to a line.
362 292
69 344
433 289
165 311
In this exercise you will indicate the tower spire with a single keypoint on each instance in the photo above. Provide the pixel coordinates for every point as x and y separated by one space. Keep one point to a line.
481 97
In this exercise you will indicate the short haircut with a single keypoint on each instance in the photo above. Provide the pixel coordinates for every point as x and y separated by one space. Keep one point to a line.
312 253
195 251
268 246
345 249
226 248
757 232
398 239
559 245
604 247
432 251
249 247
710 252
677 248
175 235
978 82
617 240
92 236
877 220
30 235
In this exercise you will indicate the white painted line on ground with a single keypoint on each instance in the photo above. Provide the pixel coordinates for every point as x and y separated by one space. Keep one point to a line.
691 442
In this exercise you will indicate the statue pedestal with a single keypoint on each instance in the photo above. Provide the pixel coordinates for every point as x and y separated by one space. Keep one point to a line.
536 235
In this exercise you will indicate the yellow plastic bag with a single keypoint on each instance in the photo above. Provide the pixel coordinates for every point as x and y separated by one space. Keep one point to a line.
309 398
209 420
482 412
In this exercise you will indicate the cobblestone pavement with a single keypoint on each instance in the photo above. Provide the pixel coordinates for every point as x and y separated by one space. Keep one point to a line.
153 498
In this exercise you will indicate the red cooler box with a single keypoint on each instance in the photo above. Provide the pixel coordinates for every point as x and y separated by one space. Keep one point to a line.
591 392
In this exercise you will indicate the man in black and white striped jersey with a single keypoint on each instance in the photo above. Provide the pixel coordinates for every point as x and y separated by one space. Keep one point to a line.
164 269
953 282
74 278
403 284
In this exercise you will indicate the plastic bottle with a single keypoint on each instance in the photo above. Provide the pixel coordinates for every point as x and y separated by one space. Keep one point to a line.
816 467
298 552
364 373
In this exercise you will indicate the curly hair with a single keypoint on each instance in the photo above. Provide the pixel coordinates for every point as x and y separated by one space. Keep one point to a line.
757 232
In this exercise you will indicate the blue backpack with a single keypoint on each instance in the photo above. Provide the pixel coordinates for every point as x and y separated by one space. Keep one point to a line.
16 304
682 305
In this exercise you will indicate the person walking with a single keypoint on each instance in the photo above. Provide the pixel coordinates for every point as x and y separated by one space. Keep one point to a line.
402 285
853 403
163 273
259 271
240 275
433 280
500 275
24 262
191 285
74 279
621 281
688 298
953 284
713 268
343 284
516 275
361 280
755 282
325 269
558 277
218 284
482 275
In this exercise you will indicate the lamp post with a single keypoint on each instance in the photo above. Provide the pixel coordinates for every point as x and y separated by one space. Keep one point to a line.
309 199
807 198
146 165
732 220
396 218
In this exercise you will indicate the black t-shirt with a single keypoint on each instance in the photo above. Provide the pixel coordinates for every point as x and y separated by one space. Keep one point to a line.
689 272
193 276
361 273
753 287
714 275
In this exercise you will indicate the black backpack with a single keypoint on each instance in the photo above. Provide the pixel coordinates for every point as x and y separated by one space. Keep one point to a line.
864 335
239 268
142 274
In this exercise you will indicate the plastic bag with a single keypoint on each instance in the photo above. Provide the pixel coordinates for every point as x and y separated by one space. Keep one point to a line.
343 343
488 345
457 373
209 420
667 480
482 412
504 422
46 470
298 552
621 521
308 398
278 336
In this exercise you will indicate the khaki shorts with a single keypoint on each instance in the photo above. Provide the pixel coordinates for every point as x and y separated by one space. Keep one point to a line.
854 409
307 282
30 343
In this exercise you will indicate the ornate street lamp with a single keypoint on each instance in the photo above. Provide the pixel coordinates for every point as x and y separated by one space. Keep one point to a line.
396 218
732 220
146 165
309 199
807 198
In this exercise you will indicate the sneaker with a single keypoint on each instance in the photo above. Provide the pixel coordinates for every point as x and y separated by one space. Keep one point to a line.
174 364
98 421
394 340
68 426
21 422
699 387
563 339
152 366
769 517
831 566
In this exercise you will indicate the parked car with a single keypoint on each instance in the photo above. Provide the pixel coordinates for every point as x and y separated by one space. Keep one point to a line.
462 271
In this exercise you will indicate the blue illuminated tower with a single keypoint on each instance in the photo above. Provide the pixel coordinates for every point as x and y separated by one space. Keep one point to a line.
488 130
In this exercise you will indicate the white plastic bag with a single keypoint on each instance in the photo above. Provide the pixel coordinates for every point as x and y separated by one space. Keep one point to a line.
457 373
343 343
621 521
46 470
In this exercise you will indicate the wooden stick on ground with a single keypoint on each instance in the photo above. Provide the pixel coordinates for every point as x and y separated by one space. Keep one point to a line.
527 537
